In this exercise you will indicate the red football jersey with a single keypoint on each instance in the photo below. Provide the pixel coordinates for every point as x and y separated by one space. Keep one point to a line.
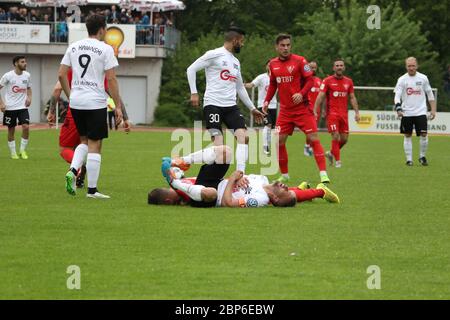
314 92
337 91
183 195
290 76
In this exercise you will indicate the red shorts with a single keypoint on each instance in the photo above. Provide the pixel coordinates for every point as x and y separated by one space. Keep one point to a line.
305 121
337 123
68 136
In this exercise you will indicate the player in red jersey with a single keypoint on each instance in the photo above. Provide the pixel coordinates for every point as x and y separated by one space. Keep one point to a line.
69 138
312 96
336 89
292 76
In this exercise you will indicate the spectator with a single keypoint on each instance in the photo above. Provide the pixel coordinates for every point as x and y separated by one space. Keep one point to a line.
145 19
3 16
34 18
12 15
23 15
446 79
62 30
123 17
157 19
114 15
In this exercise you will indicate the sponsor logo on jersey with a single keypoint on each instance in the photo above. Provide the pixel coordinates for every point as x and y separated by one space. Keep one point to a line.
17 89
252 202
307 68
418 83
412 91
285 79
227 76
339 94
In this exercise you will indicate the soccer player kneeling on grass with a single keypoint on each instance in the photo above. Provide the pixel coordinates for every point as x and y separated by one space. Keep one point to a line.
411 106
210 189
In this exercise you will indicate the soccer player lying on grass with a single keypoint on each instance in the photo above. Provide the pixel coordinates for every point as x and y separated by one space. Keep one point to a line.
210 189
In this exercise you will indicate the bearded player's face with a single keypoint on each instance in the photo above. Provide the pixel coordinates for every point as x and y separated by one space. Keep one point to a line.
284 48
339 68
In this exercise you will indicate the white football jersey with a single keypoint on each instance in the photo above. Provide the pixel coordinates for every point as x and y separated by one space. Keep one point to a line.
89 59
16 89
253 196
410 91
223 78
262 82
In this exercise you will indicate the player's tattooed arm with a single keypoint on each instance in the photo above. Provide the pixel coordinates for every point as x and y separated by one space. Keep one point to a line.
227 200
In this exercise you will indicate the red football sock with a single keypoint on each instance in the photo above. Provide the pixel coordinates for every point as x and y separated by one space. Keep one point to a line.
319 155
67 154
336 149
308 194
283 158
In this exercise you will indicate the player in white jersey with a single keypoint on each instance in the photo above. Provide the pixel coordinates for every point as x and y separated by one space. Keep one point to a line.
262 82
17 101
91 60
223 83
411 92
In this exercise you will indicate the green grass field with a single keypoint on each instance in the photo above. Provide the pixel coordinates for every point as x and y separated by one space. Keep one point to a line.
393 216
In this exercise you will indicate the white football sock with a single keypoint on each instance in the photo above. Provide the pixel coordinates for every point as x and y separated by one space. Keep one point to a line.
79 156
423 146
193 191
23 144
266 136
93 168
285 175
241 156
207 156
12 146
407 146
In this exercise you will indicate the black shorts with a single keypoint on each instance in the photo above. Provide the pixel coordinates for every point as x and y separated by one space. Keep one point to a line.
418 122
91 123
214 117
11 117
210 176
271 117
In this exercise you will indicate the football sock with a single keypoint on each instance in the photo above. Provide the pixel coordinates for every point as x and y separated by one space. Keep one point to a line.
23 144
309 194
407 145
192 190
67 154
283 158
207 156
266 136
319 155
12 146
79 157
423 146
93 169
336 149
241 156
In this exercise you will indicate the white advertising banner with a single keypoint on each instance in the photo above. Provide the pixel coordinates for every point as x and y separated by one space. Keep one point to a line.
388 122
122 37
23 33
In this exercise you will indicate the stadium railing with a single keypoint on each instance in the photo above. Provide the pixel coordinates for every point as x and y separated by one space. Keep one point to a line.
158 35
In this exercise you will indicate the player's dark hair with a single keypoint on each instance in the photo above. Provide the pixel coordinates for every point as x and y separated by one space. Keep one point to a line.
233 32
17 58
156 196
338 59
285 202
94 23
281 37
